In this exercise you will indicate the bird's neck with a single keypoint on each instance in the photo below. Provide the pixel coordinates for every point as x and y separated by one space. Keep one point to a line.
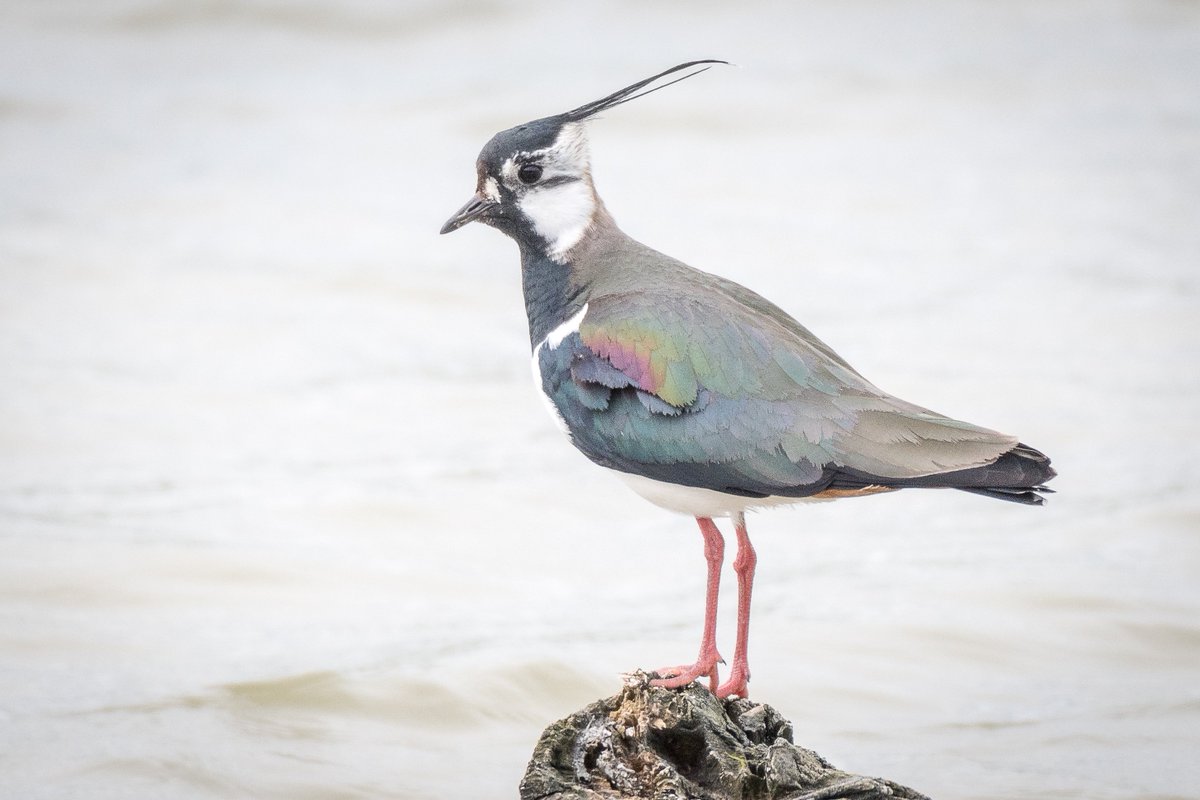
555 287
552 293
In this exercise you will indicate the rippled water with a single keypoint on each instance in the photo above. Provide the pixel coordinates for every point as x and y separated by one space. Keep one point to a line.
280 515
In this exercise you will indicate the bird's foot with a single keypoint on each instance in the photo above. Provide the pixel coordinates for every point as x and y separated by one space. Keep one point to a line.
739 676
676 677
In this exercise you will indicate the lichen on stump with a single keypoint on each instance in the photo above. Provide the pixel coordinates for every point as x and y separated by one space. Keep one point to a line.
685 744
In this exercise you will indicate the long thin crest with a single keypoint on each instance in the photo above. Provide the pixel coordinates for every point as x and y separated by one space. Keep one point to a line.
633 91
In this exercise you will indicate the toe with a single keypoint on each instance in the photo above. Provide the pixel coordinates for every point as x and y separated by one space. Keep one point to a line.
735 686
676 677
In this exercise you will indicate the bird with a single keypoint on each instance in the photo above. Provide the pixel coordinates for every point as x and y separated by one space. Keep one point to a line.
705 398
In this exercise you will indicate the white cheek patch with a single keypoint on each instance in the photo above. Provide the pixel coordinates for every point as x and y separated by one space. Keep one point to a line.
560 214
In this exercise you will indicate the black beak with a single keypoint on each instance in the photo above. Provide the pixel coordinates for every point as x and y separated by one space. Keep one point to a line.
477 206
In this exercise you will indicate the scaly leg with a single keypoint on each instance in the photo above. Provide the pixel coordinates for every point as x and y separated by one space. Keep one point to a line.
743 565
706 662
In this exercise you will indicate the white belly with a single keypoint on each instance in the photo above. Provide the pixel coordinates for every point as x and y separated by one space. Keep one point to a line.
697 502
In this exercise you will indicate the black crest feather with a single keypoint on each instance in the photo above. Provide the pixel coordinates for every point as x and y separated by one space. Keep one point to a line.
633 91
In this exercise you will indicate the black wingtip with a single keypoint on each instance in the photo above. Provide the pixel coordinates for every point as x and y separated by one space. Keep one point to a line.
1021 473
1018 476
1026 495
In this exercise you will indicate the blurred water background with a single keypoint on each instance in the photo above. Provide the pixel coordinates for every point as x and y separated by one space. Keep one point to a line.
281 515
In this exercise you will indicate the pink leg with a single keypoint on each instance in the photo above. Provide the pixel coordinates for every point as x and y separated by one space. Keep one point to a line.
706 662
743 565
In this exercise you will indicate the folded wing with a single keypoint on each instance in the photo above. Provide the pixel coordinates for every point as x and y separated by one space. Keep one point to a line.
744 401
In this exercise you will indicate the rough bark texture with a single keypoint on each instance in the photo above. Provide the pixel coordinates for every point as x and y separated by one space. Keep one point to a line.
685 744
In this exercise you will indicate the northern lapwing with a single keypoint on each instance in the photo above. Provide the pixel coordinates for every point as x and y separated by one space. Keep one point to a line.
704 397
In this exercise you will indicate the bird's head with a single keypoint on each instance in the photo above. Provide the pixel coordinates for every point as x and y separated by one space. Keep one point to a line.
534 180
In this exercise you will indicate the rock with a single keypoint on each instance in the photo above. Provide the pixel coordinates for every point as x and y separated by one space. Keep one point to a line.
685 744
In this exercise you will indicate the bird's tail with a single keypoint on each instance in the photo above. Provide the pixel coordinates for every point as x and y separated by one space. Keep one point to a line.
1018 476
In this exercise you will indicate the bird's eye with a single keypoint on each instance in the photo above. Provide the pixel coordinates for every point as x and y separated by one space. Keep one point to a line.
529 173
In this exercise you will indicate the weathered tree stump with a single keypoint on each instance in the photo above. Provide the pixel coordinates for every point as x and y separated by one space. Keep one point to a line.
685 744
